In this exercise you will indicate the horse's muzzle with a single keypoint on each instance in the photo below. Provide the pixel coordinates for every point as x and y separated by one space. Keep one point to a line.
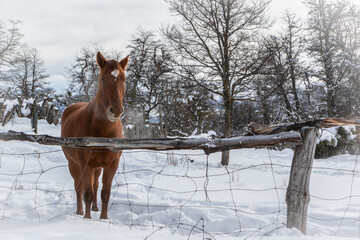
111 114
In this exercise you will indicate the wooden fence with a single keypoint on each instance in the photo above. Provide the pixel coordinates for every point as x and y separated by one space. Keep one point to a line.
302 135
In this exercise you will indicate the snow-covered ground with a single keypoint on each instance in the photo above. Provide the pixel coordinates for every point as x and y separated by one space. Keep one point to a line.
173 195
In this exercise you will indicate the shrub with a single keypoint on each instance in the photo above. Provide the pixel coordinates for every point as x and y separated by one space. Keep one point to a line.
344 141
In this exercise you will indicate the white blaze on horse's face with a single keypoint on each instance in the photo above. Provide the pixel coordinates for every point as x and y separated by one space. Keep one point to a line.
115 73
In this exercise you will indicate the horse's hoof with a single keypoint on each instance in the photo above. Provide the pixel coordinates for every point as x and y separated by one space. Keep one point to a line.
94 209
79 212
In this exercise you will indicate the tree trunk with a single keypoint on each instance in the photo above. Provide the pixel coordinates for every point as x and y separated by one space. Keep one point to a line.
286 100
225 157
294 90
330 102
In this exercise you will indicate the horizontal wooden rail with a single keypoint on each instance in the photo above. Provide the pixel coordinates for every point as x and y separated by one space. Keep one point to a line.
209 145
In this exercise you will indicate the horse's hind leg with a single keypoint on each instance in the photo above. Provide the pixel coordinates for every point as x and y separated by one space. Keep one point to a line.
76 174
95 187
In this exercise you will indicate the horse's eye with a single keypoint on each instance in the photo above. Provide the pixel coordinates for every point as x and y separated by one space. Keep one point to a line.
103 80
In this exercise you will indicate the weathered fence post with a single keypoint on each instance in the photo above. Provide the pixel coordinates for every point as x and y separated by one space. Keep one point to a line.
34 122
34 117
298 195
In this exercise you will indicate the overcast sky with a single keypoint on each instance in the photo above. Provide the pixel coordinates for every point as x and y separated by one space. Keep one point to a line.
61 28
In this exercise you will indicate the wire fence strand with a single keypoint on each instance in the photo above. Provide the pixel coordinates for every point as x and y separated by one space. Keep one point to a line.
143 197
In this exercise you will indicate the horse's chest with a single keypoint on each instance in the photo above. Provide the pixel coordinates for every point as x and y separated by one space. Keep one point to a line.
102 159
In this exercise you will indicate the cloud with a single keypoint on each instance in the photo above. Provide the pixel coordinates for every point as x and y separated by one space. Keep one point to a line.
59 82
59 29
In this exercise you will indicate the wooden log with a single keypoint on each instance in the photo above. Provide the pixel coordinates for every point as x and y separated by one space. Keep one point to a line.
115 144
272 129
298 194
258 129
334 122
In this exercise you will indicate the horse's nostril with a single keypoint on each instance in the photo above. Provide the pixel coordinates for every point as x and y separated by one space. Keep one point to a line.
111 110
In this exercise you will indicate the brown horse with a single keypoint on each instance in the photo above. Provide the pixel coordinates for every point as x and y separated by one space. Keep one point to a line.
98 118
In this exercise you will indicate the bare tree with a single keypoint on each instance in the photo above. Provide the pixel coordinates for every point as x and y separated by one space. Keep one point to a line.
326 19
27 73
37 73
293 48
147 73
84 74
285 69
348 39
188 108
9 42
220 38
9 45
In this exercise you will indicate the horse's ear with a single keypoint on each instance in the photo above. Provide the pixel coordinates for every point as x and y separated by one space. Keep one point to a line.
124 62
100 60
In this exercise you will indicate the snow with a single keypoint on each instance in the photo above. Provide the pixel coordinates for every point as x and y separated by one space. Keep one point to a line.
330 134
129 126
11 103
211 134
173 195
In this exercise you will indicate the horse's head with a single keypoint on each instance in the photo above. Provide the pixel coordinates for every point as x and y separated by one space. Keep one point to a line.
111 86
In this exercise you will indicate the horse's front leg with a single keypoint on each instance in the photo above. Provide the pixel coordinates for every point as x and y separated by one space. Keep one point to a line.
76 174
87 179
108 176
